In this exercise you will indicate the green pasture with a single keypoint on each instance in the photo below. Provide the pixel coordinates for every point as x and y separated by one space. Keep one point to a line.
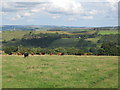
60 71
85 32
94 40
107 32
8 35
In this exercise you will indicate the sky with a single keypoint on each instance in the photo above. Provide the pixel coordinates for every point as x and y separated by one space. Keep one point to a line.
60 12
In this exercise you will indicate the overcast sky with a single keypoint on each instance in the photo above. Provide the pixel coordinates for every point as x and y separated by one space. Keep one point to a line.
60 12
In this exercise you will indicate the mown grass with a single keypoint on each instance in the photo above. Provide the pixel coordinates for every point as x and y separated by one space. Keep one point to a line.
60 72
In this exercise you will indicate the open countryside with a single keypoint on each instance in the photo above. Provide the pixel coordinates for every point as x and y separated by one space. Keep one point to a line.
60 44
80 66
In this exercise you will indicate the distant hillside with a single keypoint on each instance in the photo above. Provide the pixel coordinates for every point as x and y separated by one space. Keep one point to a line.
52 28
89 40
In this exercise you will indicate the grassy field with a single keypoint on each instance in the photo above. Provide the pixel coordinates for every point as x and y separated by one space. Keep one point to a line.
8 35
60 72
94 40
107 32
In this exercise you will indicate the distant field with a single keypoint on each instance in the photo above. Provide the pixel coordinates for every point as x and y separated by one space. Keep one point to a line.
60 72
60 32
83 32
8 35
94 40
65 42
106 32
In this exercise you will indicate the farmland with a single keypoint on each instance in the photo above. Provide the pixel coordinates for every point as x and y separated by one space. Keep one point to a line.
107 32
72 70
60 71
80 41
8 35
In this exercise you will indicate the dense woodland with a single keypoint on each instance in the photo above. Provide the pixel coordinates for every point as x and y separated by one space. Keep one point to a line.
54 43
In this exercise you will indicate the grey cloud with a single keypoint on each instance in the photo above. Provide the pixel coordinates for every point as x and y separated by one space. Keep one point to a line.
9 10
60 13
17 6
48 7
28 4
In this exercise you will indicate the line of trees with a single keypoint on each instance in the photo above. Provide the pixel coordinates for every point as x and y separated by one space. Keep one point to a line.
21 49
106 49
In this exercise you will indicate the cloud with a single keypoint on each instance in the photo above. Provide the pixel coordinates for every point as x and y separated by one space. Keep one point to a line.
34 10
49 0
55 16
24 0
16 17
51 7
19 9
65 6
113 4
17 6
20 15
93 12
27 14
87 17
73 18
73 9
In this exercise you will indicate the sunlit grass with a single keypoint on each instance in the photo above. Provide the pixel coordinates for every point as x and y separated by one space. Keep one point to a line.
60 71
8 35
107 32
94 40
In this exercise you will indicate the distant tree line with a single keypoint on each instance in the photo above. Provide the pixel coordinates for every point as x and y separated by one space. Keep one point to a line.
21 49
